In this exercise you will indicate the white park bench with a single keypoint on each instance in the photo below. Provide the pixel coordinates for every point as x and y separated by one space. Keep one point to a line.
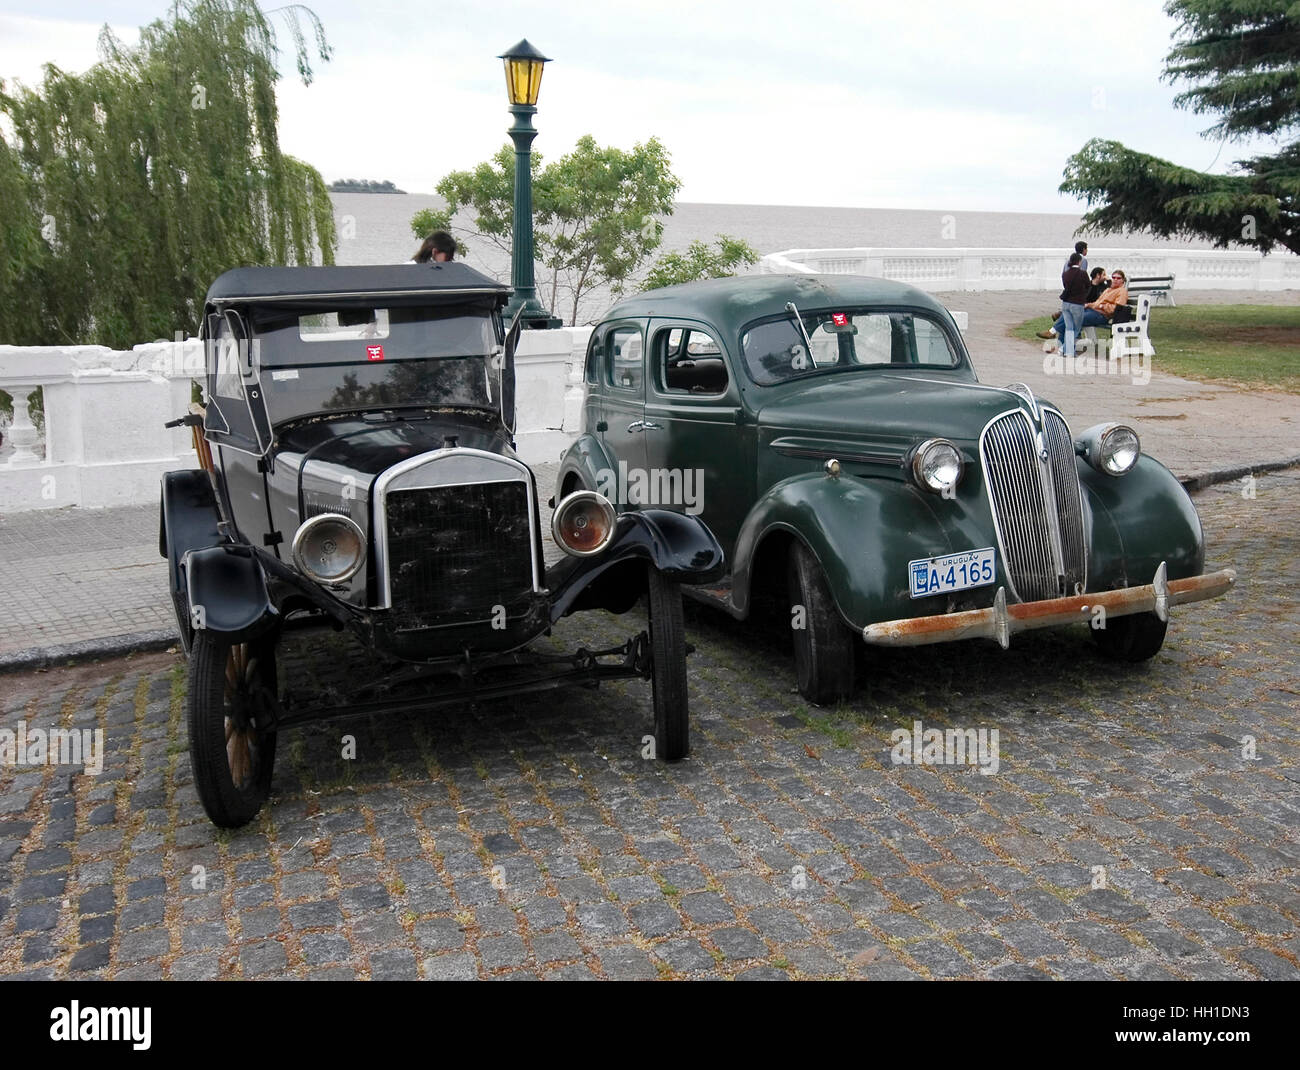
1131 337
1160 287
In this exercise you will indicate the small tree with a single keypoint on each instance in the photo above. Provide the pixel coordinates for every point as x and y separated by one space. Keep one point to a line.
1242 59
147 176
701 261
594 211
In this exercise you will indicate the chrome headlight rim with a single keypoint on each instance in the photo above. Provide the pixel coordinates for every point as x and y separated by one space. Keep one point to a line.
1099 444
310 526
566 504
918 462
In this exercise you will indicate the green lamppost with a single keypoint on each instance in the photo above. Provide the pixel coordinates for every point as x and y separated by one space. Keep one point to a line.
523 80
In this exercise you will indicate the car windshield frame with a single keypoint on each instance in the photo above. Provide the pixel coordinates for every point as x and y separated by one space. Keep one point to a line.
813 317
305 374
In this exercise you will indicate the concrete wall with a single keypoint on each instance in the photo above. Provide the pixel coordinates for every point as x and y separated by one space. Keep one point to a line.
940 270
104 442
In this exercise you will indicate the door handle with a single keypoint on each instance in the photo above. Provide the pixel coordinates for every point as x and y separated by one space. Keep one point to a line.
644 425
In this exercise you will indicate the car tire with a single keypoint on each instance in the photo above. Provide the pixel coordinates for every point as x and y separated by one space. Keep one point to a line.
823 647
231 761
668 669
1132 638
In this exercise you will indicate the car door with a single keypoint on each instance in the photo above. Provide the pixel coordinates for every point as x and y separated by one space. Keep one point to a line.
697 440
622 371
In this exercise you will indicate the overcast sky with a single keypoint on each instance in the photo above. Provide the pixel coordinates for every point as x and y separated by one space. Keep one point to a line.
922 104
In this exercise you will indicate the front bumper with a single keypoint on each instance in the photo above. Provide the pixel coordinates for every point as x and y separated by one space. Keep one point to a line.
1001 621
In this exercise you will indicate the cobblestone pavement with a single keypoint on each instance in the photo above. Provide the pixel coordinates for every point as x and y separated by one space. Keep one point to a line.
530 839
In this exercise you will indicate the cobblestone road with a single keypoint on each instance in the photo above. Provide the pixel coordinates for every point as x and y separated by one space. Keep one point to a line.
789 845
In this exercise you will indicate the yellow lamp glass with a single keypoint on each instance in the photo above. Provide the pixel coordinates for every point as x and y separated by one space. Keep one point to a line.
523 79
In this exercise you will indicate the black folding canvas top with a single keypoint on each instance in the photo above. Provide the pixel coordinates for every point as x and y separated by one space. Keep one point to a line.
384 285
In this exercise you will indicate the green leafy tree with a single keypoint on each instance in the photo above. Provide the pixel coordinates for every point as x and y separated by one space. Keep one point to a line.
151 173
594 212
701 260
1241 61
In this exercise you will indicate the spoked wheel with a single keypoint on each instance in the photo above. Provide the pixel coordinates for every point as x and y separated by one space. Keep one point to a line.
231 695
668 674
1133 638
823 646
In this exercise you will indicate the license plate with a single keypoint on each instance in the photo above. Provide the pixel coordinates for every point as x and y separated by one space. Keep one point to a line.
955 572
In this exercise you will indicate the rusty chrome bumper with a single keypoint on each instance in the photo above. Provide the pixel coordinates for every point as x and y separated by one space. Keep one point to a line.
1001 621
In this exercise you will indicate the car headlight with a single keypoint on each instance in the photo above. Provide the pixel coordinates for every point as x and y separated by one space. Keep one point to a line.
936 465
583 523
1111 449
330 548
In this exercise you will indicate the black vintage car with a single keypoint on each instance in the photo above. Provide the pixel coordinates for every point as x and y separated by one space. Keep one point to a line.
358 471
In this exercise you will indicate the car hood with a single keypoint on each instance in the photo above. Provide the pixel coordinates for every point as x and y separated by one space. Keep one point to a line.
888 410
365 445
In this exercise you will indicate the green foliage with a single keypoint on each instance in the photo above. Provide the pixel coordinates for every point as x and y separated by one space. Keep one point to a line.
594 211
129 188
1242 58
701 261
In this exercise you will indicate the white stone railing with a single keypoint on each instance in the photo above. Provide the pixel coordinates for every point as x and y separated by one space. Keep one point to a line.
946 269
104 442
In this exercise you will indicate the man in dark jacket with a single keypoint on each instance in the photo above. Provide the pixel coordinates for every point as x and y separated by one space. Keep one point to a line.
1074 295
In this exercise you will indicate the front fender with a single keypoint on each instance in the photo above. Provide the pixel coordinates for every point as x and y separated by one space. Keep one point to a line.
228 592
1140 519
584 461
863 532
679 546
187 520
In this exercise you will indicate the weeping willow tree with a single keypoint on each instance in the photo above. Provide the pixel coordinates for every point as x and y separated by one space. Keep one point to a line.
126 190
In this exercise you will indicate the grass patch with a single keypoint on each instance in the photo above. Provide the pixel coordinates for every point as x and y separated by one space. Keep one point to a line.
1245 345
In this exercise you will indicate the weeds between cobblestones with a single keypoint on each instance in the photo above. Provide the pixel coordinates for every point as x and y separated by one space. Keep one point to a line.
1124 835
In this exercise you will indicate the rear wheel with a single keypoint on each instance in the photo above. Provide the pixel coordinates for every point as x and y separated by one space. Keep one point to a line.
231 694
823 644
668 673
1132 638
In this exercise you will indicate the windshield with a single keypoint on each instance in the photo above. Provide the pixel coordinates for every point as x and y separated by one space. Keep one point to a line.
353 359
774 350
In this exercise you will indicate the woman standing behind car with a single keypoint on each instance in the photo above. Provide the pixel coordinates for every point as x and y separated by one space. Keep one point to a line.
1074 295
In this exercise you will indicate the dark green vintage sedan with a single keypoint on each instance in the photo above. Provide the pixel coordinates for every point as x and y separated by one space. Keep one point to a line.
831 432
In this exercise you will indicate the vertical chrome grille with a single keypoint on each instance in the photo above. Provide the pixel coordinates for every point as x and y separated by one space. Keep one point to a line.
1036 504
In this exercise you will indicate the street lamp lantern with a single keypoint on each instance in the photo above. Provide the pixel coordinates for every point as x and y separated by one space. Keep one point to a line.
524 73
523 81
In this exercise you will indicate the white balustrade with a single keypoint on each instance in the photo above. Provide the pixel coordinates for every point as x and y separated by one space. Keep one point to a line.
105 443
950 269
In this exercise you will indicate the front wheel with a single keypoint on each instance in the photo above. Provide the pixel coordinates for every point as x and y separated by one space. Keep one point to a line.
231 699
823 644
668 671
1132 638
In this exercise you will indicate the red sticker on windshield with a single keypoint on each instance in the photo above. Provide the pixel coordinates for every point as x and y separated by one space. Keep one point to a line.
840 319
374 352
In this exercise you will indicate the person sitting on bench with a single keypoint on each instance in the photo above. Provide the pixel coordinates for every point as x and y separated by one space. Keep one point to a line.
1101 311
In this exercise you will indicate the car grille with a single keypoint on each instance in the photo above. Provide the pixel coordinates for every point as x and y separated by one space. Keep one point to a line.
1036 504
456 552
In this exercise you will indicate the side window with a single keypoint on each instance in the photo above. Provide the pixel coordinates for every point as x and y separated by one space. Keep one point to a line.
625 359
591 370
235 413
689 361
